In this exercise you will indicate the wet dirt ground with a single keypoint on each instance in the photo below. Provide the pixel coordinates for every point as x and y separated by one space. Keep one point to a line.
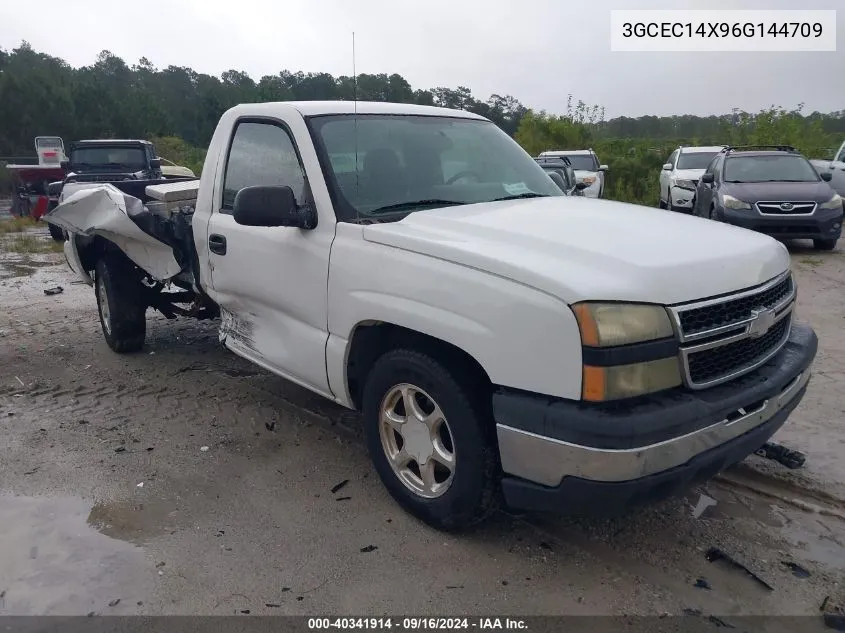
183 480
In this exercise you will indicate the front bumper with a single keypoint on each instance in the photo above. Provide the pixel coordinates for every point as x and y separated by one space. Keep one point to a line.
823 224
601 459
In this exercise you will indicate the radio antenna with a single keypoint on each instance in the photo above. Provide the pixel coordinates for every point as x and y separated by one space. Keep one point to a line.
355 113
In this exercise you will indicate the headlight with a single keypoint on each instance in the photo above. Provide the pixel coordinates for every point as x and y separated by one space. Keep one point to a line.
729 202
601 384
834 203
686 184
613 324
608 325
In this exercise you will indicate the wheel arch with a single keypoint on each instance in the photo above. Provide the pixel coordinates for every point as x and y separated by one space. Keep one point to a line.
369 340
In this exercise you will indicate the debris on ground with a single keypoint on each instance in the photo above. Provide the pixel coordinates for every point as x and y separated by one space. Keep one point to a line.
700 583
343 499
272 605
55 290
20 381
833 615
692 612
796 569
368 549
339 486
719 622
204 449
714 553
140 485
120 449
704 502
786 456
114 602
454 586
270 426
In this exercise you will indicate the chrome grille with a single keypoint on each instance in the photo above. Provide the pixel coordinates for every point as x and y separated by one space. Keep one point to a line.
732 311
726 337
786 208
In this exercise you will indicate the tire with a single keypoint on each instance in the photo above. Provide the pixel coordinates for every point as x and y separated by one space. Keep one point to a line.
711 215
460 496
57 233
824 245
120 303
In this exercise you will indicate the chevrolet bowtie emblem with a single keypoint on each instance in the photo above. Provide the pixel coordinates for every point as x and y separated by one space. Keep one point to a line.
761 322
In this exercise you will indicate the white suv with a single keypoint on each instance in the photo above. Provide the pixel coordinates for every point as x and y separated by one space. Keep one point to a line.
679 176
587 168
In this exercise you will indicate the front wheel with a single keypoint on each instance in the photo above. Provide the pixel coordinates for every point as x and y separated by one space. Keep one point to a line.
121 304
56 232
431 439
824 245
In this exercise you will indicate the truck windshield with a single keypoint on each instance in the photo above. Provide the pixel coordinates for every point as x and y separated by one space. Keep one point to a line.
769 168
695 160
111 158
385 166
581 162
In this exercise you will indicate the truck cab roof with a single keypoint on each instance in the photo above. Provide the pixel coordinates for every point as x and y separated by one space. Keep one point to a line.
325 108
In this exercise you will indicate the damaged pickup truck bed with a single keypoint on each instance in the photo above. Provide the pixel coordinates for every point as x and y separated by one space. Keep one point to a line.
502 340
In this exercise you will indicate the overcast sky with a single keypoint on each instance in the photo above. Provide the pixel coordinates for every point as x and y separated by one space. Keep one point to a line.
536 50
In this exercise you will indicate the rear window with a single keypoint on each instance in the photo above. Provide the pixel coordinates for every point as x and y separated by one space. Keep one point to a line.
129 158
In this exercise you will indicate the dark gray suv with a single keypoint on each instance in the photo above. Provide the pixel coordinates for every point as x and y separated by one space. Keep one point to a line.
773 190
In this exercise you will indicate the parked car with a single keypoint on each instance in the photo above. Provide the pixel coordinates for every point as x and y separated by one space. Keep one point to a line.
772 189
680 174
563 168
500 338
107 160
836 169
587 166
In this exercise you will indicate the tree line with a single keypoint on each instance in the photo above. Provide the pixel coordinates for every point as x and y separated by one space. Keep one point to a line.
178 108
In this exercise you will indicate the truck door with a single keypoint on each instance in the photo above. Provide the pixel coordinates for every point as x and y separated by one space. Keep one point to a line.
270 282
837 171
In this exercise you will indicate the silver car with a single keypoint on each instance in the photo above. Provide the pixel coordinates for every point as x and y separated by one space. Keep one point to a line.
588 169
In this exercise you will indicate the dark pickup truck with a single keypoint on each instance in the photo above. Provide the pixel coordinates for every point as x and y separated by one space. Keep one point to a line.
108 160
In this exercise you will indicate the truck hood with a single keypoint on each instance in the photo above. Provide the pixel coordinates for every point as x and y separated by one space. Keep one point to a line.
580 249
688 174
752 192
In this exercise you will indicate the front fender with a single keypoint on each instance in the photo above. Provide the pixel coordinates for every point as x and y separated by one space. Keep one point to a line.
522 338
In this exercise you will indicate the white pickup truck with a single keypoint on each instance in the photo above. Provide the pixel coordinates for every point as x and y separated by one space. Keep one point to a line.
503 341
836 169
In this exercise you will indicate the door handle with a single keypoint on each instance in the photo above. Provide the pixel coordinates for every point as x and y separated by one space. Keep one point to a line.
217 244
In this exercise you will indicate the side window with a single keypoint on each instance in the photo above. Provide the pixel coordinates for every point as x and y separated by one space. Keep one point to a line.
717 170
261 154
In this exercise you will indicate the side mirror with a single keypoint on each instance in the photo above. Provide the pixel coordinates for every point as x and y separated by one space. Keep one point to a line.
155 163
54 189
603 167
826 176
270 206
581 186
65 164
667 167
707 179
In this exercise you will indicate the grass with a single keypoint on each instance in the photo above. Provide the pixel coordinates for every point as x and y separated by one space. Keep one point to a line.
812 261
30 244
16 225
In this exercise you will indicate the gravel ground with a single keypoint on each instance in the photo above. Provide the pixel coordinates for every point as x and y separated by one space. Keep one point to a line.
111 503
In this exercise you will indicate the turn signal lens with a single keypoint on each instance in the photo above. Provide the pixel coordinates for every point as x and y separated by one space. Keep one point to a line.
613 324
601 384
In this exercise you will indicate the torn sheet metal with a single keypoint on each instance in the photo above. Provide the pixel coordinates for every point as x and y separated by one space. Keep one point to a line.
106 211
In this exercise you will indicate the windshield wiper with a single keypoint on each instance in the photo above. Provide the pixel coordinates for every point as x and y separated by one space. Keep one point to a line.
401 206
519 196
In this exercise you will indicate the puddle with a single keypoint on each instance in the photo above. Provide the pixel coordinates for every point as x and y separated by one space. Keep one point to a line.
53 562
813 537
